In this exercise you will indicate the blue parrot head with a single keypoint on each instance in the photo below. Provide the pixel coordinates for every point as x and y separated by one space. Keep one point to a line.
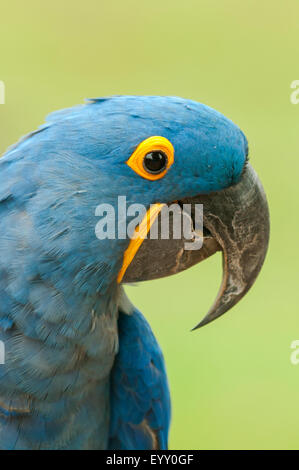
210 150
152 151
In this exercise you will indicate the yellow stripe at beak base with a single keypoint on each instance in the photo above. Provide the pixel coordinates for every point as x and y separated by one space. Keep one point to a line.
140 234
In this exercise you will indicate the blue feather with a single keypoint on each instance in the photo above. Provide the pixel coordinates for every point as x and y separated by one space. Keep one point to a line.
140 402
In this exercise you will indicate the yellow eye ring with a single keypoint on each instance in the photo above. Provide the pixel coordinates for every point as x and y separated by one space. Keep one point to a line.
156 147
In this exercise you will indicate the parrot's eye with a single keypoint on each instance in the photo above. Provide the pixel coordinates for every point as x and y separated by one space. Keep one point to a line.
155 162
152 158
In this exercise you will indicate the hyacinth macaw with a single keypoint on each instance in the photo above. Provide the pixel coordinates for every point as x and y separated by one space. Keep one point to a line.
82 368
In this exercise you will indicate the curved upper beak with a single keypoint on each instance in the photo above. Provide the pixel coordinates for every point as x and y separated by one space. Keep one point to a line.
237 220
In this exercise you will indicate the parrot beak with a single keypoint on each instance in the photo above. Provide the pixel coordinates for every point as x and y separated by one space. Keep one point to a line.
238 218
236 221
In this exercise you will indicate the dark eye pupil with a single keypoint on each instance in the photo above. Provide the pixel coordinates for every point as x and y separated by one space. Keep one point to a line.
155 162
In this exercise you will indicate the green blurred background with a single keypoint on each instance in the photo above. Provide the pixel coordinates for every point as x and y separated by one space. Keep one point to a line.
232 382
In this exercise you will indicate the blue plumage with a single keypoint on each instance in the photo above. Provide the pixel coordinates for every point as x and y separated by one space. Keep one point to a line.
140 402
80 370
